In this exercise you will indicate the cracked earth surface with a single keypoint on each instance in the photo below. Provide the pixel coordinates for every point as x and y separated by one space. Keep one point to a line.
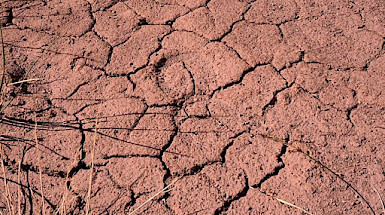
195 90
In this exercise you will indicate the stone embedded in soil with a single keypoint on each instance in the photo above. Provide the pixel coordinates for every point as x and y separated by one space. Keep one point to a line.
135 52
254 43
214 20
120 16
70 18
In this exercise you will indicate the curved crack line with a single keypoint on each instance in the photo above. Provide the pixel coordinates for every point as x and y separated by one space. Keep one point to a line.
274 100
244 73
226 205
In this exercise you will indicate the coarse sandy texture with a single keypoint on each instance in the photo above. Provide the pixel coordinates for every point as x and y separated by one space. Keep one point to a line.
197 90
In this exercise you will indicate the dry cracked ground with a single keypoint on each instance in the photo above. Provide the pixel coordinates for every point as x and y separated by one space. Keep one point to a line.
139 93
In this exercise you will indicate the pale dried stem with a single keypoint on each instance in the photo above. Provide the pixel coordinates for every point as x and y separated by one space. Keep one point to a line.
292 205
6 187
88 204
40 169
166 189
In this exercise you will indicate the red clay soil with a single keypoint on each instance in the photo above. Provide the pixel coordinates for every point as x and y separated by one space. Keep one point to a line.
230 97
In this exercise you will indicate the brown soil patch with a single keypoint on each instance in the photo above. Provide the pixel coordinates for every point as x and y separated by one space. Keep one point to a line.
249 104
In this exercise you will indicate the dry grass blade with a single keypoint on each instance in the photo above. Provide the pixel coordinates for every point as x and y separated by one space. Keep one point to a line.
40 169
292 205
62 208
88 204
8 194
381 200
3 58
23 81
19 189
166 189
